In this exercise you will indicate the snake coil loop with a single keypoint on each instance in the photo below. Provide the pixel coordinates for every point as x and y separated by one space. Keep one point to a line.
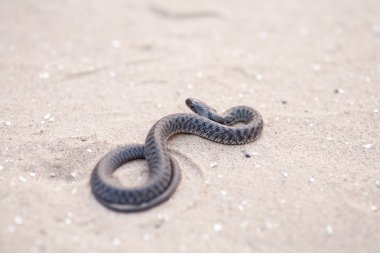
164 173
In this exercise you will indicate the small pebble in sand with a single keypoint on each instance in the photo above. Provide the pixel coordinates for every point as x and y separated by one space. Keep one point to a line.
338 91
89 150
377 183
223 193
311 179
83 138
116 241
147 237
242 205
249 154
285 174
315 67
163 217
220 176
47 116
329 229
213 165
218 227
18 220
68 221
189 86
22 179
329 138
375 110
43 75
8 123
73 174
284 102
32 174
1 167
259 77
52 174
115 43
269 225
368 145
374 208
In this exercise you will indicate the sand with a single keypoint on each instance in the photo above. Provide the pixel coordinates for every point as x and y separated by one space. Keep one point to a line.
79 78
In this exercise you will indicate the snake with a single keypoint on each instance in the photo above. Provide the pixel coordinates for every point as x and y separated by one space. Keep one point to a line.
164 173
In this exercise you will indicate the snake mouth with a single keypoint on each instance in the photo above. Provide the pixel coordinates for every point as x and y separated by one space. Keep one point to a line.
200 108
190 102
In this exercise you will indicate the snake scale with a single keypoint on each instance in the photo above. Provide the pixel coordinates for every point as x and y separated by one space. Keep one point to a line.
164 173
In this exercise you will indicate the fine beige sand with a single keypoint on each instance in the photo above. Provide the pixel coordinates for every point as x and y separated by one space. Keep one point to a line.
79 78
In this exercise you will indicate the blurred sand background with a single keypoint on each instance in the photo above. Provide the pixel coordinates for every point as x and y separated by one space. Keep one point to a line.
79 78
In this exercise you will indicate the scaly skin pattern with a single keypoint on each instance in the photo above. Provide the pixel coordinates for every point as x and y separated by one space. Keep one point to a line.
164 174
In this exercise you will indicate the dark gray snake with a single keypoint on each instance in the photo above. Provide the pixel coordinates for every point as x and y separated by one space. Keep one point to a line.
164 174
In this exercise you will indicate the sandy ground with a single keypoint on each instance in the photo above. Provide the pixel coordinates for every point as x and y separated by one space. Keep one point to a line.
79 78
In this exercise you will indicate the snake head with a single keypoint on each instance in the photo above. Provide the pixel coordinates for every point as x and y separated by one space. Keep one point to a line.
200 108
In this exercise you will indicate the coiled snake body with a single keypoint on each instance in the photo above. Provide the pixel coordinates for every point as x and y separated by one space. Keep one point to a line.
164 174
